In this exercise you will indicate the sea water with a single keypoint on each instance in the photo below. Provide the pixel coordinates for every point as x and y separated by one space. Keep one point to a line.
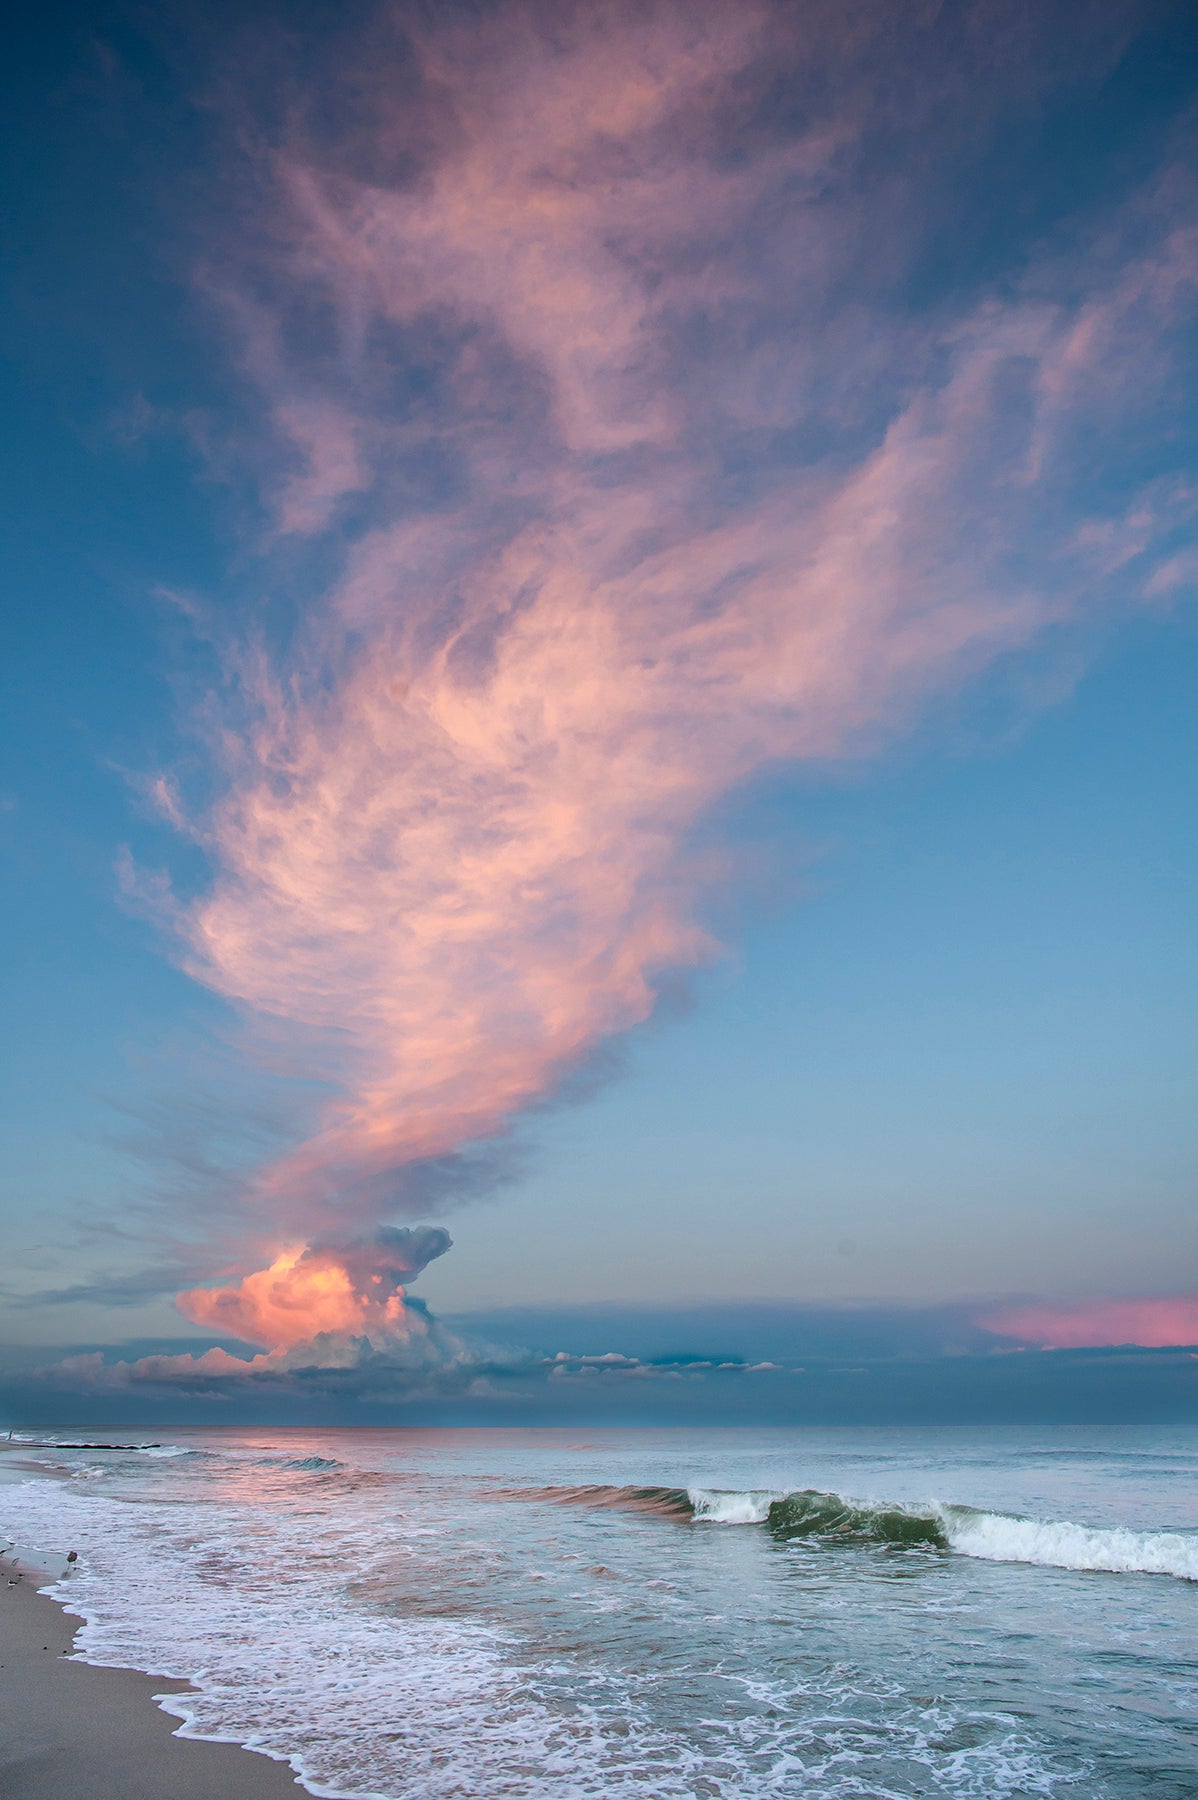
725 1614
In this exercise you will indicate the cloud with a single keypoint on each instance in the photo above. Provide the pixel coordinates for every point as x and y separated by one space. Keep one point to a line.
1154 1324
331 467
333 1313
826 1365
330 1290
126 1288
416 1357
645 506
401 1357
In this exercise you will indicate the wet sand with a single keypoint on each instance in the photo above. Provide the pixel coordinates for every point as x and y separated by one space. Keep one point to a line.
71 1732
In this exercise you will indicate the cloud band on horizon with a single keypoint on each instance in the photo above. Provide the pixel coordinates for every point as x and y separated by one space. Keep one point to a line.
1152 1322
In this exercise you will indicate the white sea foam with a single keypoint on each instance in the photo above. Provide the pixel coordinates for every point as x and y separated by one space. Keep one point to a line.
1060 1544
990 1536
719 1506
367 1703
209 1595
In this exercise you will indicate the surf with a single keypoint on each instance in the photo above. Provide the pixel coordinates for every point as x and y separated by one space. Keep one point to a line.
825 1517
965 1530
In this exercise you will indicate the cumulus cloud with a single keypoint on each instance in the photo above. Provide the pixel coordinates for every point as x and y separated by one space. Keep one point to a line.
334 1305
422 1359
646 505
348 1288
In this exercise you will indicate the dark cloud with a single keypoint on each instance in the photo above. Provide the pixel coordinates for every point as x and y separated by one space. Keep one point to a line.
771 1365
393 1254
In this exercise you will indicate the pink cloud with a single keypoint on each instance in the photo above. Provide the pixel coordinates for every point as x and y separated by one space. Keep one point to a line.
1152 1323
450 853
349 1288
337 1304
294 1299
331 468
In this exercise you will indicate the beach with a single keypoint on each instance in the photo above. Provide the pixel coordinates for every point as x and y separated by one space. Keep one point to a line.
72 1732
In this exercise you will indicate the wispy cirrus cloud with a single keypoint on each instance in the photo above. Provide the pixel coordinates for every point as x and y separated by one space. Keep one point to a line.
655 487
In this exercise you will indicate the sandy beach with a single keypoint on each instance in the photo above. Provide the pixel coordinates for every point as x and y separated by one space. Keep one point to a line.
71 1732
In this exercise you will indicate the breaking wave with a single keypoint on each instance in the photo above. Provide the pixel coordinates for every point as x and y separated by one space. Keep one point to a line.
965 1530
812 1514
992 1536
1059 1544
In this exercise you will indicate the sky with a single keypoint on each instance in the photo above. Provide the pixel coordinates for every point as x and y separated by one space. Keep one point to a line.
601 652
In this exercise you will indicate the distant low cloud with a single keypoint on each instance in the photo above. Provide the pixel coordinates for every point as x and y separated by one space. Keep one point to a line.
823 1365
1154 1323
395 1350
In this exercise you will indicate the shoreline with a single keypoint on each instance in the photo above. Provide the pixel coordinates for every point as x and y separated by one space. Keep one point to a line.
74 1731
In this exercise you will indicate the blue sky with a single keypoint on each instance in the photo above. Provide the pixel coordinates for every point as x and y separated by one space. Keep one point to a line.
939 1045
959 1063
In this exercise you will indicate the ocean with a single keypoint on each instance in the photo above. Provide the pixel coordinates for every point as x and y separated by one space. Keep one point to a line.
696 1614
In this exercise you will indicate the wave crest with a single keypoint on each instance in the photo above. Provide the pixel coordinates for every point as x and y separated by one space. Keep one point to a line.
969 1531
966 1530
1060 1544
812 1513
